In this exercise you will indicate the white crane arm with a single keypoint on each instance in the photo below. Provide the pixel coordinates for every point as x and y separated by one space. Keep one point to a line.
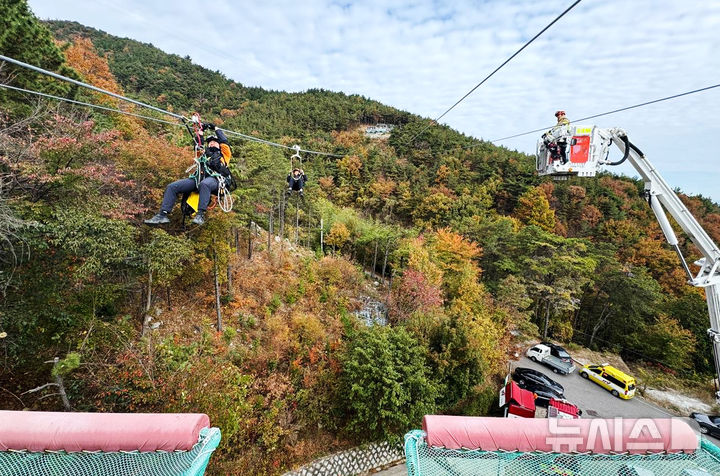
586 147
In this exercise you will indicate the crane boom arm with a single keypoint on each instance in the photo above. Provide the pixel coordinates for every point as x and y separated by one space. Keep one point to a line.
662 198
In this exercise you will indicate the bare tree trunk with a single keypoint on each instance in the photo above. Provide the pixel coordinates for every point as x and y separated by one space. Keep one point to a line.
547 320
297 223
217 292
308 229
229 278
281 218
374 268
387 250
599 323
148 303
250 239
322 242
236 235
61 387
387 300
270 228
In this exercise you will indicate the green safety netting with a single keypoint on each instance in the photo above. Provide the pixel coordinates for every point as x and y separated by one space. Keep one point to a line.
124 463
424 460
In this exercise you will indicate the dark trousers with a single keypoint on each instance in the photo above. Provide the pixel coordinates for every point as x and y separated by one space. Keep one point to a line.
208 186
294 184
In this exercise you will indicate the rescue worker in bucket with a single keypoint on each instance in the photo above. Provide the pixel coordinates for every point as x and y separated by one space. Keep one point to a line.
557 148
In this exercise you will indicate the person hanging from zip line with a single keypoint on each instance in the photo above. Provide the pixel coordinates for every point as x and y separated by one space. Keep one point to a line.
205 180
296 181
557 148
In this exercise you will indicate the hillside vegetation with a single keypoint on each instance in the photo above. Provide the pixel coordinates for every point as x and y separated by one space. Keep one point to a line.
462 244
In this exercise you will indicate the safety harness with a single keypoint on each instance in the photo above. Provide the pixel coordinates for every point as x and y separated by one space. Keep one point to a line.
225 186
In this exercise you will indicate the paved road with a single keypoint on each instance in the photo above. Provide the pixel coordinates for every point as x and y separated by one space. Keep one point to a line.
596 402
593 400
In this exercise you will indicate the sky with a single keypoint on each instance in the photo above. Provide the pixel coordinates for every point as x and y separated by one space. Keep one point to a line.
422 56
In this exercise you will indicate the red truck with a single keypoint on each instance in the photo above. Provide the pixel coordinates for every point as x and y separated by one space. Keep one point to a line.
519 403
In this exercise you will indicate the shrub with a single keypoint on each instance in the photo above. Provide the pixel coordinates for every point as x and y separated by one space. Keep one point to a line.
386 386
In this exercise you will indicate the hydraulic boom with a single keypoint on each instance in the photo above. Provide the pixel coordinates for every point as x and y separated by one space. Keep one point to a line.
583 156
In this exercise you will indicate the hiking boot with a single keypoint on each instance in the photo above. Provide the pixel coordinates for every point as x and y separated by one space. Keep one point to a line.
289 192
159 219
199 218
302 194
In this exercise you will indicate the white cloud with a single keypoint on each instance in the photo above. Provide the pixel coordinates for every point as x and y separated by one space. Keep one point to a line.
424 55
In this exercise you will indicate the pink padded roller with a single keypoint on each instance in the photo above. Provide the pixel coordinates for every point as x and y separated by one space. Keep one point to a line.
71 432
526 435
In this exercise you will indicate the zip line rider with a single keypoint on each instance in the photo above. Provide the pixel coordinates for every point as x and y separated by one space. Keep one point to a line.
204 181
296 181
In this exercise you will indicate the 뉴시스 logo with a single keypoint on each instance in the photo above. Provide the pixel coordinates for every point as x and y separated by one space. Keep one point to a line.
621 435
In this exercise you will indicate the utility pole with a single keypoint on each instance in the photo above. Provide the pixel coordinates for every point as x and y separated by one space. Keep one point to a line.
322 243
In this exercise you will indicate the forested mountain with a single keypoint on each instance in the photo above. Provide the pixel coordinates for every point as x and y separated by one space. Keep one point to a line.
459 238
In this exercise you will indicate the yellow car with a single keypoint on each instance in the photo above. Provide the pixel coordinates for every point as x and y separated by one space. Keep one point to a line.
611 379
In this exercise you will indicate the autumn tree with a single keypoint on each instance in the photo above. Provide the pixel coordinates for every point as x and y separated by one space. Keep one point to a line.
534 209
338 236
412 292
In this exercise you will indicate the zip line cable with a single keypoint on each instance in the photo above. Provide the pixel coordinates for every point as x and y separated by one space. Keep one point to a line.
139 103
610 112
85 85
497 69
80 103
263 141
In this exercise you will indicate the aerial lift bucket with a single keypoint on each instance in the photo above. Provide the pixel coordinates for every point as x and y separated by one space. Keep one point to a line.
579 149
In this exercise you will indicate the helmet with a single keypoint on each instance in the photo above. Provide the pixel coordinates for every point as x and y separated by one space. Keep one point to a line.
296 170
212 138
559 113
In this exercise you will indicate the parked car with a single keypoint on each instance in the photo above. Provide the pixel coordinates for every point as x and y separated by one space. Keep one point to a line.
540 384
611 379
543 354
559 352
709 424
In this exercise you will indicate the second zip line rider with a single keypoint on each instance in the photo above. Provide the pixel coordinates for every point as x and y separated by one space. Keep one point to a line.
204 181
